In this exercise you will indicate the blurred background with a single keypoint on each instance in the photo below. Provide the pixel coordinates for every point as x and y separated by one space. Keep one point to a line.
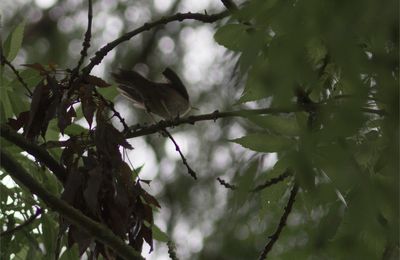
202 220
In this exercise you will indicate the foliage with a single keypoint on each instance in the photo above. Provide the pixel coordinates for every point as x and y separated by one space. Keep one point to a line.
329 69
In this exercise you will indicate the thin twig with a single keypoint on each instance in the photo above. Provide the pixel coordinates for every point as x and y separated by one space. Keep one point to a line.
20 79
19 227
85 43
282 222
226 184
272 181
147 26
190 170
111 106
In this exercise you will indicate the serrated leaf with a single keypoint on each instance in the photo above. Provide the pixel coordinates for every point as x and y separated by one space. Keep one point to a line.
231 36
264 142
278 124
158 234
15 41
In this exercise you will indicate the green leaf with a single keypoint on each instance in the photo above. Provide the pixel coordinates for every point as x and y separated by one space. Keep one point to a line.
278 124
49 227
14 41
6 105
74 129
158 234
264 142
231 36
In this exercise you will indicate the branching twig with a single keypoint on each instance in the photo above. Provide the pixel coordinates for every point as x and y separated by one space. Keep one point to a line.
26 223
93 228
226 184
282 222
272 181
36 151
20 79
147 26
111 106
85 43
190 170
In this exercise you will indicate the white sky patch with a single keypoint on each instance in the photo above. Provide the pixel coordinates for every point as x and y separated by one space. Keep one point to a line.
162 5
44 4
143 155
166 45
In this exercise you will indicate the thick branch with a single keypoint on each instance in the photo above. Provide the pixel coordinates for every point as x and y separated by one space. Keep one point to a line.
282 222
33 149
93 228
147 26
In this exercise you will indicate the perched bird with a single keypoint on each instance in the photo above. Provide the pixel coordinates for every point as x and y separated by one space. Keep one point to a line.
167 100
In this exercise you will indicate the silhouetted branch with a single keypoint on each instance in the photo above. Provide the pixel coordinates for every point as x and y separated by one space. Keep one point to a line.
26 223
147 26
85 43
140 131
282 222
272 181
93 228
190 170
20 79
225 184
111 106
36 151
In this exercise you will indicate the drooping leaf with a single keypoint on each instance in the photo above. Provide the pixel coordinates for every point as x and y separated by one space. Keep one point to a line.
88 104
97 81
158 234
14 41
74 129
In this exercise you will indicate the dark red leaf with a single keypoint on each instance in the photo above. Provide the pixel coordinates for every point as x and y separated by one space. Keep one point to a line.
36 66
150 199
21 120
88 104
147 235
91 192
97 81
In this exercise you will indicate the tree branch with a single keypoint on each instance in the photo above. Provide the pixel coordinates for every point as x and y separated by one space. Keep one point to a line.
190 170
282 222
272 181
36 151
93 228
140 131
147 26
85 43
20 79
26 223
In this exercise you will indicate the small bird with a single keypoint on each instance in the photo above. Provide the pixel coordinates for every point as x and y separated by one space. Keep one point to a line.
167 100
